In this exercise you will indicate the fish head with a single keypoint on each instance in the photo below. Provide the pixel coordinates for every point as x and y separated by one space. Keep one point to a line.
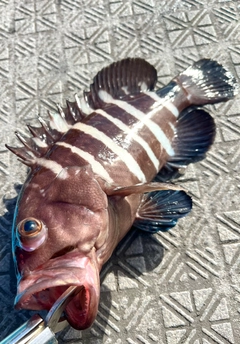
60 223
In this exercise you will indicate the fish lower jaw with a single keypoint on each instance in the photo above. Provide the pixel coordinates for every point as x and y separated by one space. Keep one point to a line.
39 289
40 297
80 312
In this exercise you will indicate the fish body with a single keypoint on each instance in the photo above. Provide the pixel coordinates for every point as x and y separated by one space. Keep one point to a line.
97 168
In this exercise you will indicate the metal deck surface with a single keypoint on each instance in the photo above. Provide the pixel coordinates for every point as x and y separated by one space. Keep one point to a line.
170 288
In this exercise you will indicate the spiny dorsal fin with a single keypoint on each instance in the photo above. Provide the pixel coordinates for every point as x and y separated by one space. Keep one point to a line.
44 137
73 112
25 155
128 76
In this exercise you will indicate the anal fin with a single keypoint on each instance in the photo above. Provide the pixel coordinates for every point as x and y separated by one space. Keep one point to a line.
160 210
195 133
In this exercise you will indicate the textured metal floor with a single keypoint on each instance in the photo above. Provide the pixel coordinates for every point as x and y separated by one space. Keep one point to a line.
176 287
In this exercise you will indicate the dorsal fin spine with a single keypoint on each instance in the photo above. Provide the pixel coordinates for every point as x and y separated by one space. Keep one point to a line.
45 136
33 130
23 154
70 110
60 111
49 133
44 125
22 139
29 144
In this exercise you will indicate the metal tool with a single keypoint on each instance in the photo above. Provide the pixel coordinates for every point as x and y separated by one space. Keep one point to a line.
39 331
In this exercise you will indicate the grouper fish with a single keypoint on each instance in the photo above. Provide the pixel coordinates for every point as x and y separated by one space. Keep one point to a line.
102 165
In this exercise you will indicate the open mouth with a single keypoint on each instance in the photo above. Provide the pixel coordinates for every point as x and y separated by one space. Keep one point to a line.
40 289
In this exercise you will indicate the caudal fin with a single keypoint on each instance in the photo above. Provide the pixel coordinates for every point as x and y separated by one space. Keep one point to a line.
206 81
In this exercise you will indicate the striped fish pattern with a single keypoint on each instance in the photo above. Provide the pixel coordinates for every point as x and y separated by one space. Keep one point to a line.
101 165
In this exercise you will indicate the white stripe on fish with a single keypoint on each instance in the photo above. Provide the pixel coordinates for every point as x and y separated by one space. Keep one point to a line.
133 135
163 103
96 166
143 118
124 155
53 166
172 108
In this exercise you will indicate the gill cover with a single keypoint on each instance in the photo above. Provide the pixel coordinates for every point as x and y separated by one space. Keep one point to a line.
77 185
72 186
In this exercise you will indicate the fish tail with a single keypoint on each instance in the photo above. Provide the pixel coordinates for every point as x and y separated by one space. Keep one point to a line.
206 81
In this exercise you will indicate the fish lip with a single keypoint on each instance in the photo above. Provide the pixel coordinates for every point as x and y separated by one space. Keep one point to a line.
40 288
23 300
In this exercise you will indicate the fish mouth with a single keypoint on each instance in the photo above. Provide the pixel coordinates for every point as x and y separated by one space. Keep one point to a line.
39 289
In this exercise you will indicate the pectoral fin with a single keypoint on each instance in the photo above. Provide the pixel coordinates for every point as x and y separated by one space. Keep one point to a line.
159 211
195 133
141 188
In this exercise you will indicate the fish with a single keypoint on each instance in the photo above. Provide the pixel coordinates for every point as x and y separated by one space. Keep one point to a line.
101 165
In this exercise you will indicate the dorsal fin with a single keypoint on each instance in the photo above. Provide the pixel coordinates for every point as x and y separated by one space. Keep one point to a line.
44 137
128 76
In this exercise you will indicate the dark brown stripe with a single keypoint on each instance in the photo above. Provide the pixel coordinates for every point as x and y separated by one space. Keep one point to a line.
106 156
65 157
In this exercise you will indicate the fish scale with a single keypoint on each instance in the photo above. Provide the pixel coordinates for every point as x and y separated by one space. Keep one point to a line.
99 167
105 133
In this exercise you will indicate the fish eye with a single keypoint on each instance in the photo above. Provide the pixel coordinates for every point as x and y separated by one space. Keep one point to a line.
31 234
29 227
